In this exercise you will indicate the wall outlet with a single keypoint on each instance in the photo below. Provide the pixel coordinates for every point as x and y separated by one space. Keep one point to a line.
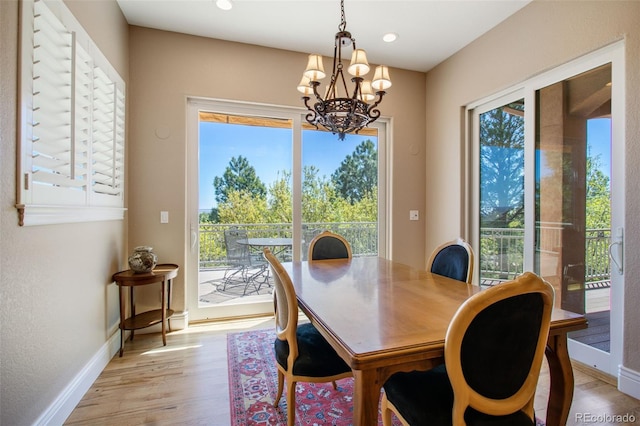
414 215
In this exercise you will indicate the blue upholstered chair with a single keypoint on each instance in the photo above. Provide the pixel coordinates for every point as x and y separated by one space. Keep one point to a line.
301 353
493 353
328 245
453 259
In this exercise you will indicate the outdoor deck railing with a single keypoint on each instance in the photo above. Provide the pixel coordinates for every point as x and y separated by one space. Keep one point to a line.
363 237
502 248
503 251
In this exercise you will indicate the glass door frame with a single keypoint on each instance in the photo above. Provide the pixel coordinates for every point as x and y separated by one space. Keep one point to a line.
606 362
296 115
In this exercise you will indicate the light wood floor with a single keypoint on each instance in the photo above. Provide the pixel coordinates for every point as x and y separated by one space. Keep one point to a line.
186 383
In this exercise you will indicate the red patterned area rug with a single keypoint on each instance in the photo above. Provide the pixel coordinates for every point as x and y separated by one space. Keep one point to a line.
253 384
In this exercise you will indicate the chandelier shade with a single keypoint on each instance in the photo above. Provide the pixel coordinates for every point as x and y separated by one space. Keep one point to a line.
315 68
339 109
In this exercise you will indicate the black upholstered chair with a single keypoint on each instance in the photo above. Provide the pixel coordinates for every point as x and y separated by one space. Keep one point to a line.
453 259
493 353
302 354
328 245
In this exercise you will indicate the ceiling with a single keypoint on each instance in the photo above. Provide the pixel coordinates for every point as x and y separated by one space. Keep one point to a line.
429 31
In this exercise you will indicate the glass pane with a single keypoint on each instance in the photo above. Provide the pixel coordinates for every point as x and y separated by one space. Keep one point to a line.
340 188
573 210
245 193
501 193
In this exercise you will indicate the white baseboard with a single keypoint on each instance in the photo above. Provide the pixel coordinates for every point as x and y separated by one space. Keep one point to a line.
68 399
629 382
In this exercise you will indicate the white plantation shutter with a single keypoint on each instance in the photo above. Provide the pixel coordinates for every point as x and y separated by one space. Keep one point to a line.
73 122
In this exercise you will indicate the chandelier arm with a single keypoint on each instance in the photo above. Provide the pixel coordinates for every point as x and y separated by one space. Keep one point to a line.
358 87
315 85
373 112
311 116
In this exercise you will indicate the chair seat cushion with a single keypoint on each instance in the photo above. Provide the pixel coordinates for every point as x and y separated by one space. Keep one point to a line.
426 398
316 357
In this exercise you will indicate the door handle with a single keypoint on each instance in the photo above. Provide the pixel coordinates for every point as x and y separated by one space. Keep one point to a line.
619 244
194 238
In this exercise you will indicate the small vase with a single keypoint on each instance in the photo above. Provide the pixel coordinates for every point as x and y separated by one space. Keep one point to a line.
143 259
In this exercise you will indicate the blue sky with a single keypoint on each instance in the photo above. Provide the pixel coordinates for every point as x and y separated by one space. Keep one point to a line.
599 141
268 150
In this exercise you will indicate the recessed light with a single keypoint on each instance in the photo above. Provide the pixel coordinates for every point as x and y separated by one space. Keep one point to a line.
390 37
224 4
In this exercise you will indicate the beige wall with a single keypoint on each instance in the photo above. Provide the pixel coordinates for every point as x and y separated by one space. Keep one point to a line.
167 67
541 36
58 307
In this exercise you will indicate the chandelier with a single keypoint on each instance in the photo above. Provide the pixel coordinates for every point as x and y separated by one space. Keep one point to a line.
343 111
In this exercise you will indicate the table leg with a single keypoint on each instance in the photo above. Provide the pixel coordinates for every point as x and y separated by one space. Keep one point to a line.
132 304
164 313
169 302
561 380
366 397
122 315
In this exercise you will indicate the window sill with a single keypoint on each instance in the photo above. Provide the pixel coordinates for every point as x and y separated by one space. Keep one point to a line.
31 215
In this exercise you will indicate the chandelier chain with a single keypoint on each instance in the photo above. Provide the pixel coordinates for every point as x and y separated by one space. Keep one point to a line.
343 20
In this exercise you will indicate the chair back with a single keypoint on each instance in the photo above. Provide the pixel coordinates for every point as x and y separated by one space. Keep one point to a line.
237 253
495 345
308 234
328 245
453 259
285 305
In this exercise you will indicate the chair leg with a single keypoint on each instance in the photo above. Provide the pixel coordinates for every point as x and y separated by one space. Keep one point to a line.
291 402
280 387
385 411
335 386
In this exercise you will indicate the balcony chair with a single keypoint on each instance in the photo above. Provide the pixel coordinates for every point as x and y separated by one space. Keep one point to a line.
453 259
301 353
493 353
328 245
241 273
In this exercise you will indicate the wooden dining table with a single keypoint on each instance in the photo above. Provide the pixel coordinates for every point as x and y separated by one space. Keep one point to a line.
383 317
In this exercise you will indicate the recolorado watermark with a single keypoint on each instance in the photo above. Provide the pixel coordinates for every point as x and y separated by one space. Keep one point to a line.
604 418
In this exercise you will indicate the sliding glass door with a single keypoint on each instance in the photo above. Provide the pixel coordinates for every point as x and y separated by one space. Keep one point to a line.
548 157
258 175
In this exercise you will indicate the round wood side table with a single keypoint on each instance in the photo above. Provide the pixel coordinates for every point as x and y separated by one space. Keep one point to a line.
163 274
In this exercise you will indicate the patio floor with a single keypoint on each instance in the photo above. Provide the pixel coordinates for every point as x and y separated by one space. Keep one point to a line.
212 290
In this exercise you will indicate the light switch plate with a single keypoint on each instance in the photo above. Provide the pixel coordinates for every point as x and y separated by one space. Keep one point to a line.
164 217
414 215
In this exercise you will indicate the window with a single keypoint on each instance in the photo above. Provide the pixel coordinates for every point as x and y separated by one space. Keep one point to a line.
72 132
